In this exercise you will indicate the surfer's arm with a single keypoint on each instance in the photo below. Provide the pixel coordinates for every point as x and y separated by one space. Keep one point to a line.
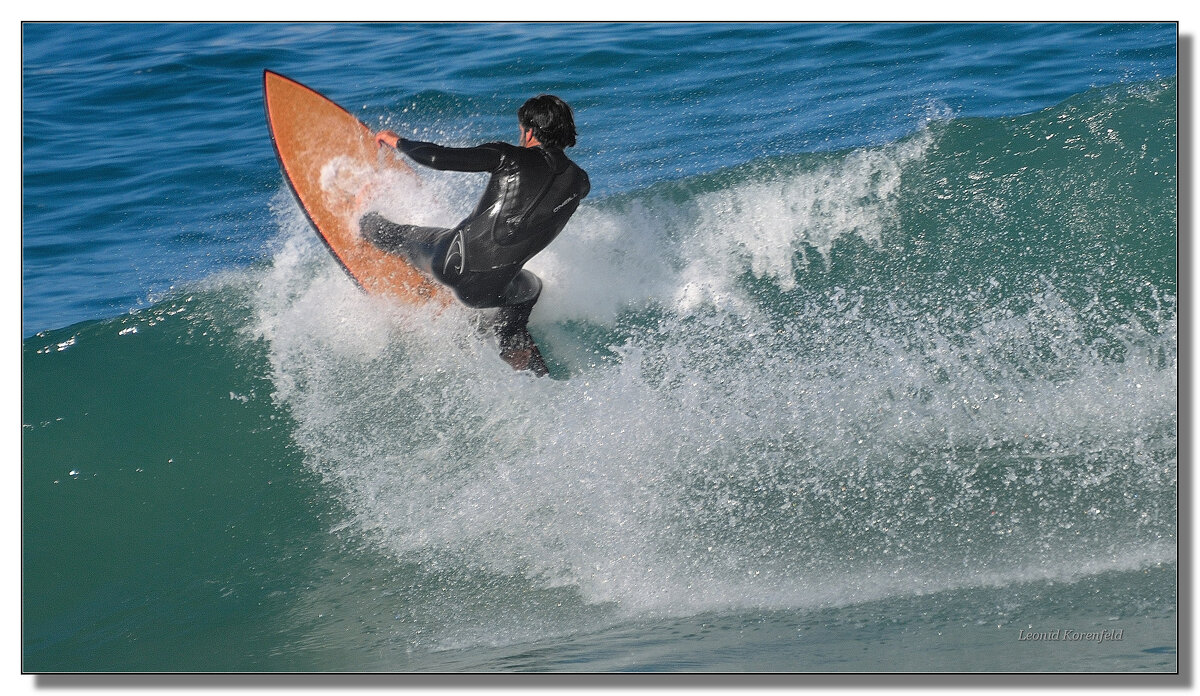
484 158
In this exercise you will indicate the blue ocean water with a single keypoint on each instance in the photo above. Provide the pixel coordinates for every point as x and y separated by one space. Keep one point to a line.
864 357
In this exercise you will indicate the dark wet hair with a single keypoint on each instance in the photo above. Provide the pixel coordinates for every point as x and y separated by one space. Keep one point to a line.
550 119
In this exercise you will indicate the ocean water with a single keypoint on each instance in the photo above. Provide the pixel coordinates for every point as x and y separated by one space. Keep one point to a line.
863 358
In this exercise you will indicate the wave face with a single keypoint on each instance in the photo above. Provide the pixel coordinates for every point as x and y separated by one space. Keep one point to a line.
932 376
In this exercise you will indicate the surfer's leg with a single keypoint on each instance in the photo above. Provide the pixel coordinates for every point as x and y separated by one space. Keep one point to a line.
394 237
421 245
511 324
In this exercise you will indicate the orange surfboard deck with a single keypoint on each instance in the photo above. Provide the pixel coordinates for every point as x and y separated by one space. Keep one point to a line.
331 160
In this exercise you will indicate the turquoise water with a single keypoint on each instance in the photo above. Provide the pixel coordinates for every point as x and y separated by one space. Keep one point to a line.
863 352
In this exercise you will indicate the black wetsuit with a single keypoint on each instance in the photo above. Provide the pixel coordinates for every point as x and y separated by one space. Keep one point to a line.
532 193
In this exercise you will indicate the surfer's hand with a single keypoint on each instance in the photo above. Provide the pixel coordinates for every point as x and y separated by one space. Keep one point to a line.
388 138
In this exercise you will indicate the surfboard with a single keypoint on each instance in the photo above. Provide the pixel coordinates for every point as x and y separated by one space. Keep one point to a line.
331 161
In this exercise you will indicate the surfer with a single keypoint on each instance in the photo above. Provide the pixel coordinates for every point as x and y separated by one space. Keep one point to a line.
534 189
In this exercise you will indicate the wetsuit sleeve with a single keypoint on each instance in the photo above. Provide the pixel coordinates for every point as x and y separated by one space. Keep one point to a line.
484 158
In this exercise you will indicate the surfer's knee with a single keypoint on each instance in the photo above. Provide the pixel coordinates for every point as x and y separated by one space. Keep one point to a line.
524 288
512 317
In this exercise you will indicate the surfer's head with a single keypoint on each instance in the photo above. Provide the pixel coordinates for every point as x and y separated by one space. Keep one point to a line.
549 119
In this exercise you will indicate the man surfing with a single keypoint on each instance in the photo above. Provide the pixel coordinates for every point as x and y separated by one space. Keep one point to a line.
534 189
